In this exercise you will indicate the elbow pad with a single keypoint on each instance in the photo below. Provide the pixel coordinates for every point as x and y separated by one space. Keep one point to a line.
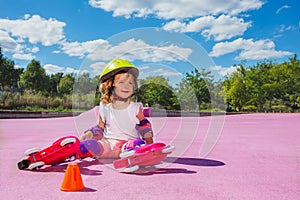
144 127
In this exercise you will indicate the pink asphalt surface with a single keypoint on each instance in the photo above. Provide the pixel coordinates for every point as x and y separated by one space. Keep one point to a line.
257 156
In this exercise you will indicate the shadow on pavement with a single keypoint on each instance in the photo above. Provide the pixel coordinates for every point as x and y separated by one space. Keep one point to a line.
83 168
143 171
194 161
152 170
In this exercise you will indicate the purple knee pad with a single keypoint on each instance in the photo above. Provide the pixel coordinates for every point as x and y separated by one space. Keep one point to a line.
90 148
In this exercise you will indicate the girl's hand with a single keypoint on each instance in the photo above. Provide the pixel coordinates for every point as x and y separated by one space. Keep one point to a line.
86 135
148 137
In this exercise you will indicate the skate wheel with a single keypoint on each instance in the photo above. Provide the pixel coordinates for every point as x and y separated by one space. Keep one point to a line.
130 169
127 154
36 166
67 141
31 151
71 158
168 149
23 164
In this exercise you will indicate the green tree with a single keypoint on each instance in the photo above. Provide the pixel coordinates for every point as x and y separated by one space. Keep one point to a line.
196 84
53 83
254 81
289 82
155 91
9 76
84 92
34 78
83 84
65 85
186 96
266 86
95 82
236 90
218 95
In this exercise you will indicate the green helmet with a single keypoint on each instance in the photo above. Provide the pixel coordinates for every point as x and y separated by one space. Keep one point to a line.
117 66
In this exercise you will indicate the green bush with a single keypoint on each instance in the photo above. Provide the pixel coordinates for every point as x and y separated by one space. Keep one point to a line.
249 108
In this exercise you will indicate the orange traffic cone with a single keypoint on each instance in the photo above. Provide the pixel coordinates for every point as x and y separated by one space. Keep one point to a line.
72 179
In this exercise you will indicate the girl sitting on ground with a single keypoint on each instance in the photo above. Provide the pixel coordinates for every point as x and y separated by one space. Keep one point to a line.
121 124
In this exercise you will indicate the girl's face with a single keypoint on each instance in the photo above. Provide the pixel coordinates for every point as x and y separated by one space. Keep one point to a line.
124 85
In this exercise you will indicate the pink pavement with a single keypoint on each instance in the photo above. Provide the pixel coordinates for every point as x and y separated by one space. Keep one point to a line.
256 156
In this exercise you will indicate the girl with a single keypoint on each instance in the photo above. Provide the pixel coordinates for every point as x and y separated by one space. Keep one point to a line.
121 124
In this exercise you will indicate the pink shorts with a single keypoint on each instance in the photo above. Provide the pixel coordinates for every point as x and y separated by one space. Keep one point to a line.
112 147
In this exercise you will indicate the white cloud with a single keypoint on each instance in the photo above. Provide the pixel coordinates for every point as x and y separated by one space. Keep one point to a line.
70 70
19 51
262 54
176 26
139 50
213 19
21 37
8 43
223 48
284 28
281 8
157 69
223 27
175 9
23 56
97 67
223 71
34 49
82 48
35 28
15 35
251 50
53 69
163 72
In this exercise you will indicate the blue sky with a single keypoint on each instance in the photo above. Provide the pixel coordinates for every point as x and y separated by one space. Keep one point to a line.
159 36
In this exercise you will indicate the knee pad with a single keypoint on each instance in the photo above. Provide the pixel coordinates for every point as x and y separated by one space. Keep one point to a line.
90 148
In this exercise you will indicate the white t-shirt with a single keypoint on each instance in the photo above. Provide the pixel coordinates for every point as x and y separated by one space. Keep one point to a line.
120 124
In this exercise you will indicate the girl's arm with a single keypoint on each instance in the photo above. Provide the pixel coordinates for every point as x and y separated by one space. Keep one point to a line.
100 122
95 132
144 127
